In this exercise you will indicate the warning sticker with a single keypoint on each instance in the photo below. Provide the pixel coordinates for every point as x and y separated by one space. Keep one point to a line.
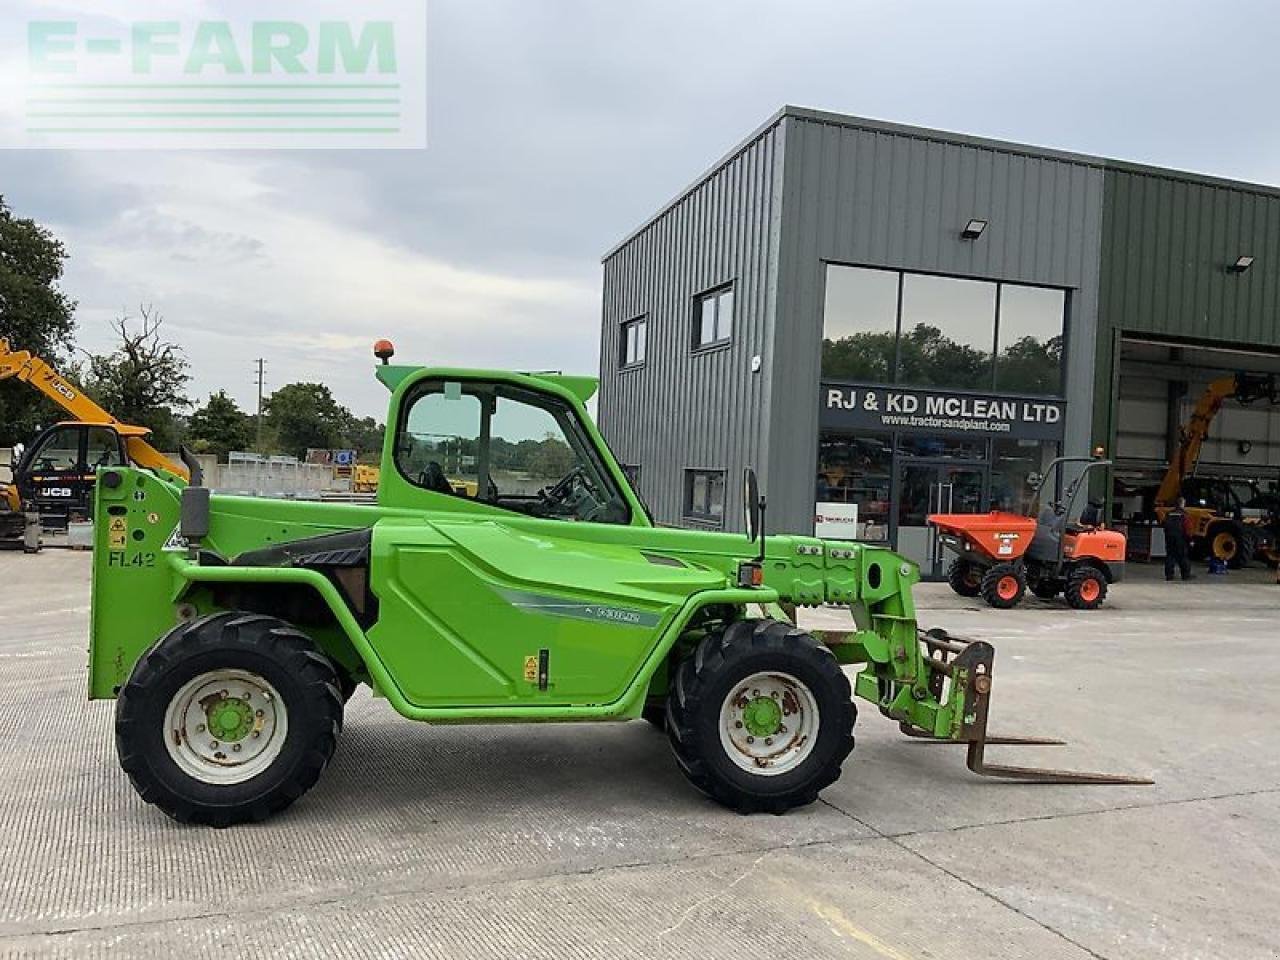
117 533
531 669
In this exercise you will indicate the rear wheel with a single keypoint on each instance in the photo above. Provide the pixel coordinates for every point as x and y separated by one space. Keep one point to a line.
965 577
228 718
1248 547
1086 589
760 717
1004 585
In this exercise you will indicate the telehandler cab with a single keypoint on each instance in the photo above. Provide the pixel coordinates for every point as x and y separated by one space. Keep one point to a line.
507 572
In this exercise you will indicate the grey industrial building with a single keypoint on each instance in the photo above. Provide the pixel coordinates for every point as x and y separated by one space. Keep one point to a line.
911 320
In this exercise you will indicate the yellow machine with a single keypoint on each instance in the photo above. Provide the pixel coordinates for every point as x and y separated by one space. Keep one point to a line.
56 474
1214 528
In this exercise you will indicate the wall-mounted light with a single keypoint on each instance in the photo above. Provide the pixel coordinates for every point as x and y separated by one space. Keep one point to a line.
1242 264
973 229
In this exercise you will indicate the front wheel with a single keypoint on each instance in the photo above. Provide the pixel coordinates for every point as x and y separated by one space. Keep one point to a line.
1004 585
760 717
228 718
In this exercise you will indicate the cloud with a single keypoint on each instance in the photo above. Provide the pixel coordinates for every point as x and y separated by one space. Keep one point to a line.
556 128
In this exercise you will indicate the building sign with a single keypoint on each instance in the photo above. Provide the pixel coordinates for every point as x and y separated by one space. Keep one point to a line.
934 411
835 521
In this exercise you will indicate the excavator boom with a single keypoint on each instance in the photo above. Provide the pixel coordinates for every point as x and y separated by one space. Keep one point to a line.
1243 387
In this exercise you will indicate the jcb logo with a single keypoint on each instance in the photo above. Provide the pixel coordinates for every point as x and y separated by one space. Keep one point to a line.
56 493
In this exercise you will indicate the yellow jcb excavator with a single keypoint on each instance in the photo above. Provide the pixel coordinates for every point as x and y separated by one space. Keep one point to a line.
54 479
1217 528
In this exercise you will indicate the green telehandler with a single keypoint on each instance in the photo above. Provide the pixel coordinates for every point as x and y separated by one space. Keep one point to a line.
508 572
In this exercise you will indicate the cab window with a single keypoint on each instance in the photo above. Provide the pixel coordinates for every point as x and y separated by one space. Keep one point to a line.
506 446
58 453
102 449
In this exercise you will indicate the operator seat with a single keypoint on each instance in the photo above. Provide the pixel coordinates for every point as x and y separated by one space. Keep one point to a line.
434 479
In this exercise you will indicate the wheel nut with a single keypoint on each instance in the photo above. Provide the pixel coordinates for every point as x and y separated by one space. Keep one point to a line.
768 741
782 728
751 739
213 745
738 725
255 734
200 728
259 714
235 747
222 694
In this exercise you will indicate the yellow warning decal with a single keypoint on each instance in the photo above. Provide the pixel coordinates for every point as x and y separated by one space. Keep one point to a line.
117 533
531 669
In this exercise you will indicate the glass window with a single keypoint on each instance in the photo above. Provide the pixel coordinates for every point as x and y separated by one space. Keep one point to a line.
59 452
1029 358
948 332
859 324
635 334
704 495
103 449
1017 466
858 470
508 447
714 318
941 447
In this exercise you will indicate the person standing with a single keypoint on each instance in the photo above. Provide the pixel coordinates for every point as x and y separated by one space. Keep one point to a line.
1177 536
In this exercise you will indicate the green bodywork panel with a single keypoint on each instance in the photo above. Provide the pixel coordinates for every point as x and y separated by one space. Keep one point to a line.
483 613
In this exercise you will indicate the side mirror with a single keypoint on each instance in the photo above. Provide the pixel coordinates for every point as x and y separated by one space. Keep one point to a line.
751 504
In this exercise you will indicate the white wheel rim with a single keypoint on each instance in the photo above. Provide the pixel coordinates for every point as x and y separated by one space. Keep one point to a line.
769 723
225 726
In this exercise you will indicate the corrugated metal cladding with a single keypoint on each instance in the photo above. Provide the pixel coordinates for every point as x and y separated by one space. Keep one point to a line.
683 409
1167 244
873 194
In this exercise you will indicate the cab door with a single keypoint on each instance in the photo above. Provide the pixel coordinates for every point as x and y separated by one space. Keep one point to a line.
489 598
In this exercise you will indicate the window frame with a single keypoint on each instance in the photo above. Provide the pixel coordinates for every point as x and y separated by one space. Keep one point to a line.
707 518
577 436
640 322
715 294
1068 317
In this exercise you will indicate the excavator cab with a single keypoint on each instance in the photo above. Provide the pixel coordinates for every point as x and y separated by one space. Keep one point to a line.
57 472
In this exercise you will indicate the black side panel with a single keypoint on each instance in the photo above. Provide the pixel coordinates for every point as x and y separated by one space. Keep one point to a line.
350 548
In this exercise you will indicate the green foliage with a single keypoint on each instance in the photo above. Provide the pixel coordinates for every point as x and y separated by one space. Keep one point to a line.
143 380
35 315
930 359
219 427
300 416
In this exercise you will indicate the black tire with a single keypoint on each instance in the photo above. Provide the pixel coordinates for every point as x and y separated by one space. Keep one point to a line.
347 684
965 577
656 714
996 589
1248 548
1086 589
704 682
303 678
1045 589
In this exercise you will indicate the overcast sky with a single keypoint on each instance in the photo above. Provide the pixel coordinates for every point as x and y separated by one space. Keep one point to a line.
555 127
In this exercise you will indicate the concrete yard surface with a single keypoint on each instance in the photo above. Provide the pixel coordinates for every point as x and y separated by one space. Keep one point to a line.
585 841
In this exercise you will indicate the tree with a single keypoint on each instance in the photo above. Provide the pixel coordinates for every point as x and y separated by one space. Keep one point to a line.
35 315
143 380
301 416
219 427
